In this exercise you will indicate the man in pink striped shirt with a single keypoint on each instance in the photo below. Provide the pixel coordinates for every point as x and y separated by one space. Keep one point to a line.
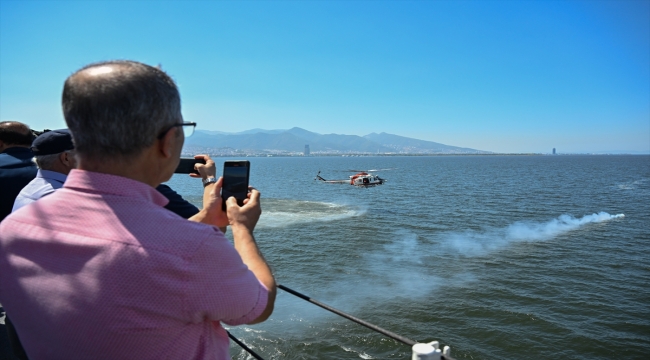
100 269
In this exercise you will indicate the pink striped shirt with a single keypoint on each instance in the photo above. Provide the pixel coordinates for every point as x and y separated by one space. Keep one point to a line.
101 270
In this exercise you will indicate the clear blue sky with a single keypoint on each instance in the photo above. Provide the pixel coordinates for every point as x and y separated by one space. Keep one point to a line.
504 76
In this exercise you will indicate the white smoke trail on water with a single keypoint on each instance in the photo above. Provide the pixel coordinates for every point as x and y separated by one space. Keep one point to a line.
283 213
633 185
399 268
472 243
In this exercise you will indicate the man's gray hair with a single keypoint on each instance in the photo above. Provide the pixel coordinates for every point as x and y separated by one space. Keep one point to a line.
46 162
116 109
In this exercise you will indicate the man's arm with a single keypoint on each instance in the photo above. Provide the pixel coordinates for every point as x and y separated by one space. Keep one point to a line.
210 214
177 204
242 222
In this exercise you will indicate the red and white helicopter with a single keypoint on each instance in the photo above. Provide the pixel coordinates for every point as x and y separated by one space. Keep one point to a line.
361 178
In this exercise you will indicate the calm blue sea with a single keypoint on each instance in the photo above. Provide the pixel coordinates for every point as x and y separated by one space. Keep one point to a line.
508 257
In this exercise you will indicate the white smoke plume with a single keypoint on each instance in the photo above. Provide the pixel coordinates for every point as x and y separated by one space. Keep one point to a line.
471 243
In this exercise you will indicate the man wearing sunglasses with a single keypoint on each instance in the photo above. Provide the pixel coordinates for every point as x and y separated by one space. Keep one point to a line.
100 269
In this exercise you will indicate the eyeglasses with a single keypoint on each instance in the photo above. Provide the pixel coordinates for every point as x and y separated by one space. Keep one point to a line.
188 132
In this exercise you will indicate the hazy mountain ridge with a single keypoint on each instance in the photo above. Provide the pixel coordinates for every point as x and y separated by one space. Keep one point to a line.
401 142
295 139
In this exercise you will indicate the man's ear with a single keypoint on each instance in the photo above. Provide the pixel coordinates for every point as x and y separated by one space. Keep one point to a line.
166 144
65 158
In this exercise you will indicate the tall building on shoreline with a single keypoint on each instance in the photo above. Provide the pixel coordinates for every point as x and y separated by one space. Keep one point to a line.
553 151
306 153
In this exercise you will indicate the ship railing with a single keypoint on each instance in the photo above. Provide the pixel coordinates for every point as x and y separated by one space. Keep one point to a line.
420 351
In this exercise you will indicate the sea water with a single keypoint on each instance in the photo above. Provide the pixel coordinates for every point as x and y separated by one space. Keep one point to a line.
508 257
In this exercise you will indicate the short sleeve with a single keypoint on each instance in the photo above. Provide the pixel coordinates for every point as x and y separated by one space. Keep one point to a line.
220 287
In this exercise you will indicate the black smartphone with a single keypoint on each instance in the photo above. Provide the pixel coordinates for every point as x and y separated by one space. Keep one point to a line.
186 166
235 181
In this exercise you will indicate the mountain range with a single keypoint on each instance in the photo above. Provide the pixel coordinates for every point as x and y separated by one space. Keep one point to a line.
295 139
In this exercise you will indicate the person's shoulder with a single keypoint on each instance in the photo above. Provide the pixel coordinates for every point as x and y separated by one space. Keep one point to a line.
18 152
170 219
17 158
163 230
29 194
13 225
7 160
37 188
164 188
137 224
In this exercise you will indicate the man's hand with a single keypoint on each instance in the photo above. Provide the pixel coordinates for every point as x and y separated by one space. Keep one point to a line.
211 214
209 169
247 215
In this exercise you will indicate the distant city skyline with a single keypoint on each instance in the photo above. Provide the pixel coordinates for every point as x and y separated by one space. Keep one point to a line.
289 142
500 76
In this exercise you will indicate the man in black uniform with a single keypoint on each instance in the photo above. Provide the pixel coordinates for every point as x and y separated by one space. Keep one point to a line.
16 171
16 166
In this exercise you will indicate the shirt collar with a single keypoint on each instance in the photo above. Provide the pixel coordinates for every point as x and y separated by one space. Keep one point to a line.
48 174
88 181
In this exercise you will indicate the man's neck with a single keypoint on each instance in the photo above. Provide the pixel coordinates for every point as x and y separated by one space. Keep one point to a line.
59 168
137 168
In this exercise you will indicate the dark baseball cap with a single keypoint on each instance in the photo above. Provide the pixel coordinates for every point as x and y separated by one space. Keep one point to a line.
53 142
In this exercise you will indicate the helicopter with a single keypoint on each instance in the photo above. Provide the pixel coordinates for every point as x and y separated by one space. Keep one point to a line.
361 178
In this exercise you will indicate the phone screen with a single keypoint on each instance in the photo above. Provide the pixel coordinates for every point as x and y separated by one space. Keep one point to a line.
235 181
